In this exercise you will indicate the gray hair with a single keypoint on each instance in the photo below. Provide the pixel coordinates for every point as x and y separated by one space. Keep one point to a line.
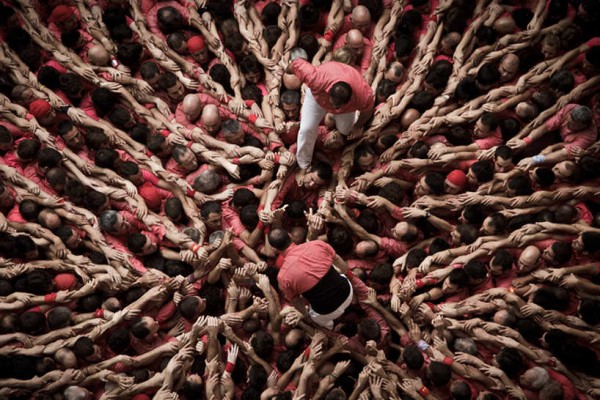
290 97
192 233
298 52
215 236
230 126
582 115
541 377
207 182
465 345
108 219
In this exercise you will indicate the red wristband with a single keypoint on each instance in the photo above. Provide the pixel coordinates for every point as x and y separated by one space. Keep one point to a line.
236 160
260 208
423 391
99 313
260 225
252 118
189 144
420 283
249 103
29 116
50 298
527 139
328 35
165 132
267 230
277 158
229 367
190 192
256 180
149 153
448 361
307 352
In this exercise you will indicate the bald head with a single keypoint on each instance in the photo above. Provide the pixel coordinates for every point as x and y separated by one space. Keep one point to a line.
361 19
505 25
211 119
354 41
408 117
191 107
509 66
534 378
66 358
291 82
98 55
529 258
75 393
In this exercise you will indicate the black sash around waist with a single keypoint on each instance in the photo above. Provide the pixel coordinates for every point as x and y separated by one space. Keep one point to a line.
329 293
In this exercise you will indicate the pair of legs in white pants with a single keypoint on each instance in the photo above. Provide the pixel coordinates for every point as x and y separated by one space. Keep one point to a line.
311 116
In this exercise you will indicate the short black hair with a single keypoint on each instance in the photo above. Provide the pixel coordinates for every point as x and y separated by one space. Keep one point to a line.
279 239
341 91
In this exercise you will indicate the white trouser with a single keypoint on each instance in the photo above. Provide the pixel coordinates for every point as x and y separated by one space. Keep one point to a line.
311 116
327 319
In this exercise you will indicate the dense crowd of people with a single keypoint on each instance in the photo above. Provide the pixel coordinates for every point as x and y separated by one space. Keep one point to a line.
283 199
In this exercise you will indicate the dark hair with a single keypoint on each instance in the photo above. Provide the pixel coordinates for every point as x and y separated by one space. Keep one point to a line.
95 138
562 252
382 274
129 54
286 358
521 185
504 259
324 170
24 245
386 88
169 19
104 100
510 361
309 43
562 81
438 373
413 358
262 343
83 347
32 323
475 269
167 80
590 241
242 197
71 84
435 181
341 91
221 75
458 277
485 35
490 120
467 89
369 221
415 257
149 69
140 329
473 214
49 77
468 233
522 17
460 390
488 74
551 298
188 307
29 210
308 17
565 214
249 216
270 14
393 192
544 177
483 171
118 341
368 329
210 207
49 158
136 242
341 240
279 239
421 101
27 149
437 245
589 309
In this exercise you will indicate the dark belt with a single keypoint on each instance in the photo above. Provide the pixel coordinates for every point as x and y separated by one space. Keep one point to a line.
329 293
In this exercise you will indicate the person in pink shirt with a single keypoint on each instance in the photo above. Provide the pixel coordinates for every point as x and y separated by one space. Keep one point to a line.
166 17
361 46
577 128
335 88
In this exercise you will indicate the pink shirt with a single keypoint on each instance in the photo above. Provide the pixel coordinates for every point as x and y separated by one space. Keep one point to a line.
304 266
347 25
572 139
321 79
495 139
